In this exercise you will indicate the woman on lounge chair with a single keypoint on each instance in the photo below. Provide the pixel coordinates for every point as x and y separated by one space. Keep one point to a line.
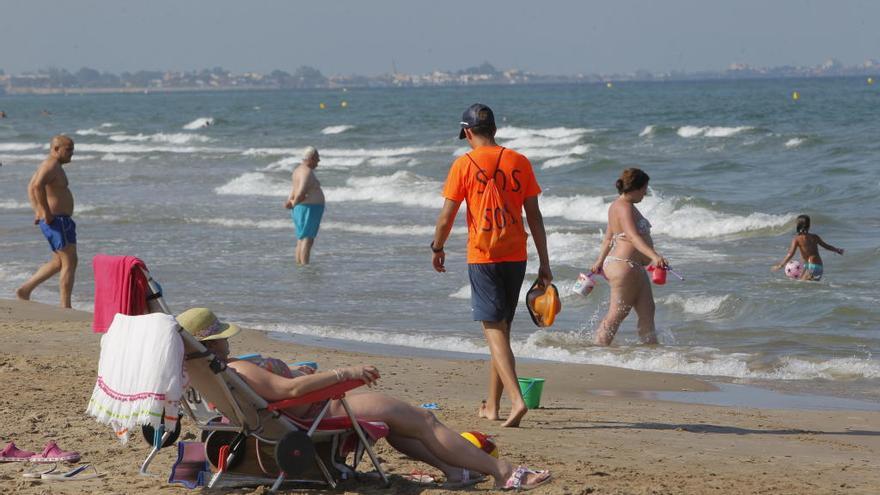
413 431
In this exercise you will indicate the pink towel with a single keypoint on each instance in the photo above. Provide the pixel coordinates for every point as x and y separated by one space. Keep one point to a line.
120 287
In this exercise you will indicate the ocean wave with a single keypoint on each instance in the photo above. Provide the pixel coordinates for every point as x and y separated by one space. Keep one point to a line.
13 272
22 146
794 142
648 131
671 216
511 132
143 148
254 184
8 204
574 347
697 305
111 157
286 224
689 131
174 138
402 187
199 123
336 129
560 162
95 132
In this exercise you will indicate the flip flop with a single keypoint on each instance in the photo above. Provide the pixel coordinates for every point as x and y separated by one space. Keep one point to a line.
53 453
11 453
516 480
78 473
35 475
468 478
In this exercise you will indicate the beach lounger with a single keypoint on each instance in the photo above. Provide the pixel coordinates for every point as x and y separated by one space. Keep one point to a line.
216 391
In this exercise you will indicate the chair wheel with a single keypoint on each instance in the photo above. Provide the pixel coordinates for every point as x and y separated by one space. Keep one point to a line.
149 434
217 439
295 453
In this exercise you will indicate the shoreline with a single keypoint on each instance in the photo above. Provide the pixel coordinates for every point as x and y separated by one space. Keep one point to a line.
626 442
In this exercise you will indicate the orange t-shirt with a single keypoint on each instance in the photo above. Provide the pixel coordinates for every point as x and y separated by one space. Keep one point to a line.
514 179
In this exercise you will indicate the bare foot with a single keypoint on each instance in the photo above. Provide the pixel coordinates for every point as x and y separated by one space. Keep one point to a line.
516 415
21 294
484 412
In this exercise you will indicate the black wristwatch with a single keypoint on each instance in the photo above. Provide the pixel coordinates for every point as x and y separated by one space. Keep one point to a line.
435 249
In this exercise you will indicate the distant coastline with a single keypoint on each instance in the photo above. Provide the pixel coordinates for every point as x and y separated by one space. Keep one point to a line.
90 81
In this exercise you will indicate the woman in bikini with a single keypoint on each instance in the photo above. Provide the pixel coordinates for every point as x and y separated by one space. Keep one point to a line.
626 249
413 431
808 244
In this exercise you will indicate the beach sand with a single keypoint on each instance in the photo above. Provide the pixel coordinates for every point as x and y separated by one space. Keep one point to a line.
617 443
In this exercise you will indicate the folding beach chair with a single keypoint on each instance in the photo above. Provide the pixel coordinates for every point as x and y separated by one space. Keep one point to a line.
285 445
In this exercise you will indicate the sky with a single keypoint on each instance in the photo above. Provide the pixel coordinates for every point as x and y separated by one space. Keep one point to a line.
418 36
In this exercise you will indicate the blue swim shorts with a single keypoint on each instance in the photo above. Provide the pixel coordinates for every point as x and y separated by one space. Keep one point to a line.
59 233
495 289
307 219
814 271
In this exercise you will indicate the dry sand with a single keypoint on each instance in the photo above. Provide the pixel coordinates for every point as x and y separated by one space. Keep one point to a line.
593 444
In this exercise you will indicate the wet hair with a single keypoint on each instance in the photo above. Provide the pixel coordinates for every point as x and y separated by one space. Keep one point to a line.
803 224
631 179
487 131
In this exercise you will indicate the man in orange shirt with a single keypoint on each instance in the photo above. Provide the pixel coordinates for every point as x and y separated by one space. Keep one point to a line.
496 267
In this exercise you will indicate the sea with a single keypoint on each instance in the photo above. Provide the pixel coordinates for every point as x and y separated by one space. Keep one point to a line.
194 184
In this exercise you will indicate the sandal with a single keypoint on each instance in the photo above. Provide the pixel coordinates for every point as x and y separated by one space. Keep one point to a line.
420 477
53 453
35 475
517 479
11 453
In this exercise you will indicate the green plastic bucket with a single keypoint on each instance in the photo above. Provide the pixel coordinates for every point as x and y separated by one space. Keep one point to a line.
531 389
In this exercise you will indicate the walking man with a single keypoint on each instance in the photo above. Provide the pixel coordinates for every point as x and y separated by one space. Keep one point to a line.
52 203
306 202
497 184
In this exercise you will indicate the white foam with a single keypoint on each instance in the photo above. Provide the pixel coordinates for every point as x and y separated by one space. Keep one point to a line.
463 293
559 162
336 129
697 305
174 138
511 132
285 224
671 216
22 146
380 161
794 142
144 148
13 272
555 345
92 132
19 159
8 204
199 123
254 184
111 157
244 223
108 124
689 131
648 131
402 187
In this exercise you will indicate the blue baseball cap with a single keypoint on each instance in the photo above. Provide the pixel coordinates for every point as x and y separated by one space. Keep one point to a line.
476 115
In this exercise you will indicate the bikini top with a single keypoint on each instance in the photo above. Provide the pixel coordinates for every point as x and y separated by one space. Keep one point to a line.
643 227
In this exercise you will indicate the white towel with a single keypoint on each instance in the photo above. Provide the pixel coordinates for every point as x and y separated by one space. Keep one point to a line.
140 374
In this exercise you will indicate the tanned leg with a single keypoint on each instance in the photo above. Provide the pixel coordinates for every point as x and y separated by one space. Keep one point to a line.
46 271
498 337
69 260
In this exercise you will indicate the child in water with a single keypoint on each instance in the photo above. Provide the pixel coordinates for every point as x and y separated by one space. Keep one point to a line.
808 244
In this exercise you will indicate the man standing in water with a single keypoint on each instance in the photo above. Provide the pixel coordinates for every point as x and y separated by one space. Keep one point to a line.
52 202
306 202
497 267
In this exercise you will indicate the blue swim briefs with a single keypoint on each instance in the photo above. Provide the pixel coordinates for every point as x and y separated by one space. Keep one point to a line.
495 289
59 233
307 219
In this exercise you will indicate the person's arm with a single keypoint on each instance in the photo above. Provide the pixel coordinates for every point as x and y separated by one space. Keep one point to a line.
274 387
37 191
788 256
603 251
441 233
539 236
628 224
829 246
